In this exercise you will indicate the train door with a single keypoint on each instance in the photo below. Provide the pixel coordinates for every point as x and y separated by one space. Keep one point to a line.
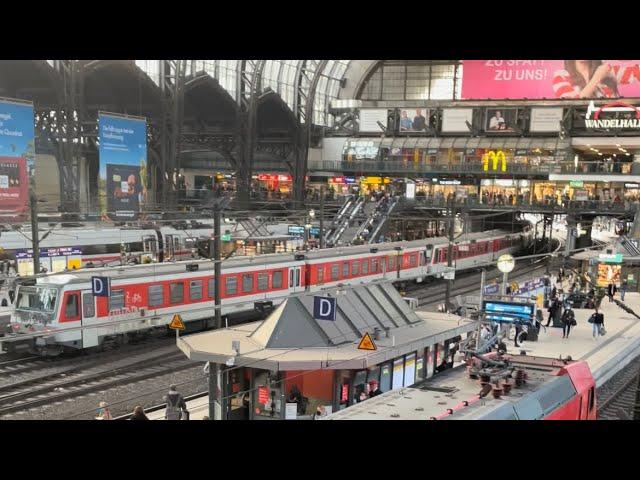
295 280
168 248
149 248
89 335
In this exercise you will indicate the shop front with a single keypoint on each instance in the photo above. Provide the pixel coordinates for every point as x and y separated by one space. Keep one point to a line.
441 188
581 191
269 186
505 192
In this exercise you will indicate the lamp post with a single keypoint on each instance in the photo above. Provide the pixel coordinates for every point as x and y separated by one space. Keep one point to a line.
506 264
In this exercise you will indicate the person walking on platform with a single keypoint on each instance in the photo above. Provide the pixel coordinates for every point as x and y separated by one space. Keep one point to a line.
175 404
138 414
623 289
568 321
611 291
597 319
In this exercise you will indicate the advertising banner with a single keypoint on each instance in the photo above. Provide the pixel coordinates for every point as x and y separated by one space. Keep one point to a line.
17 158
369 118
413 119
500 120
123 176
608 274
545 119
538 79
454 120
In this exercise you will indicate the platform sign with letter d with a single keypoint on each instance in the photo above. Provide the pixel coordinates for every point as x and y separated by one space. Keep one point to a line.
100 286
324 308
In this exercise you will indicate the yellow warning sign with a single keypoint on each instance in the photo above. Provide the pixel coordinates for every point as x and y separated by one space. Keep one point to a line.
366 343
176 323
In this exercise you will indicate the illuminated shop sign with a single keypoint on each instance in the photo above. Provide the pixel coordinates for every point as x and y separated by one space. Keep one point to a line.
349 179
631 185
266 177
593 118
494 159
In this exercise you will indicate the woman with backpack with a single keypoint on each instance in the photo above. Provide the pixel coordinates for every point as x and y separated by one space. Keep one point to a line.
568 321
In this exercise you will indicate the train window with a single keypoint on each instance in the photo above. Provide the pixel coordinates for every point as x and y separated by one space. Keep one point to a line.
195 290
413 260
247 282
263 281
320 275
71 309
298 277
88 305
116 300
365 266
176 292
156 295
335 272
355 267
391 263
374 265
591 399
277 279
231 285
345 269
211 287
291 278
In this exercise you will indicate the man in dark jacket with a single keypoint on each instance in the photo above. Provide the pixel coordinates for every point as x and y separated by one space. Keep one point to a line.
176 405
375 389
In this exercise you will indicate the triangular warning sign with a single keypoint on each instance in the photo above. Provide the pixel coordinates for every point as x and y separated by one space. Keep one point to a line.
176 323
366 343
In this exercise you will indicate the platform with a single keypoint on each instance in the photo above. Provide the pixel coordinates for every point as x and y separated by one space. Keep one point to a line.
607 355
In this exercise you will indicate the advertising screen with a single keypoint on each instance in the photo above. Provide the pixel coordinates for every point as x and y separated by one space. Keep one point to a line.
414 119
500 120
608 274
14 188
538 79
369 118
17 158
123 179
545 119
455 119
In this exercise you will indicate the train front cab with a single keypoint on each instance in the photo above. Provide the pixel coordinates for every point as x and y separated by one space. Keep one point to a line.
583 405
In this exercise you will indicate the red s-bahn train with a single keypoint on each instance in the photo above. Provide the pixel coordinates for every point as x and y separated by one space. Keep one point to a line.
144 297
520 387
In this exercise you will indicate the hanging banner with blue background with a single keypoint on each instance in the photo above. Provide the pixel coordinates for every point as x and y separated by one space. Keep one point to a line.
17 157
123 174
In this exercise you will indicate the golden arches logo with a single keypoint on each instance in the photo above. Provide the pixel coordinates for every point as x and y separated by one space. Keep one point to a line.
494 158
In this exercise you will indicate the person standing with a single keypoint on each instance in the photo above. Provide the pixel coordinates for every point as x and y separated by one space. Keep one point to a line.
611 291
175 404
553 308
138 414
374 389
623 289
103 412
419 121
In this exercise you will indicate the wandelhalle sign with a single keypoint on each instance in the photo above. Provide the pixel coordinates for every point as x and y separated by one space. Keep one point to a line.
608 116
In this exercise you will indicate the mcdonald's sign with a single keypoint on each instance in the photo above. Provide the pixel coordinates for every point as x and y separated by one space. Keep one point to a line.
494 158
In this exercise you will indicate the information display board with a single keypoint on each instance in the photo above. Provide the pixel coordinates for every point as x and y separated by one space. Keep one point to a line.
508 312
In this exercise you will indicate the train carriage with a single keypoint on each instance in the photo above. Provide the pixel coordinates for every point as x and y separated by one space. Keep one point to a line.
147 296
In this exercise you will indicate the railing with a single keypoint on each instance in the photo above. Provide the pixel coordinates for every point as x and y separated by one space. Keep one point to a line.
371 167
572 205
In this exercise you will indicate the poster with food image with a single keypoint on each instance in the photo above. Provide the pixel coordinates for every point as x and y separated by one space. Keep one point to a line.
608 273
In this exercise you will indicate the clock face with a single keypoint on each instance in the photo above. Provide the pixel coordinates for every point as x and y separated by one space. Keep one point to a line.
506 263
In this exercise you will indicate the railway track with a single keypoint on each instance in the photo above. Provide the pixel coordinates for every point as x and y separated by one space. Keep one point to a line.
82 380
617 398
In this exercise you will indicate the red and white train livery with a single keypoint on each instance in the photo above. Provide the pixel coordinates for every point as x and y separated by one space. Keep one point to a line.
147 296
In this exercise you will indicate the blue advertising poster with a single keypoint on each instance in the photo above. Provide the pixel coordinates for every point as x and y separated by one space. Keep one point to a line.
123 177
17 158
